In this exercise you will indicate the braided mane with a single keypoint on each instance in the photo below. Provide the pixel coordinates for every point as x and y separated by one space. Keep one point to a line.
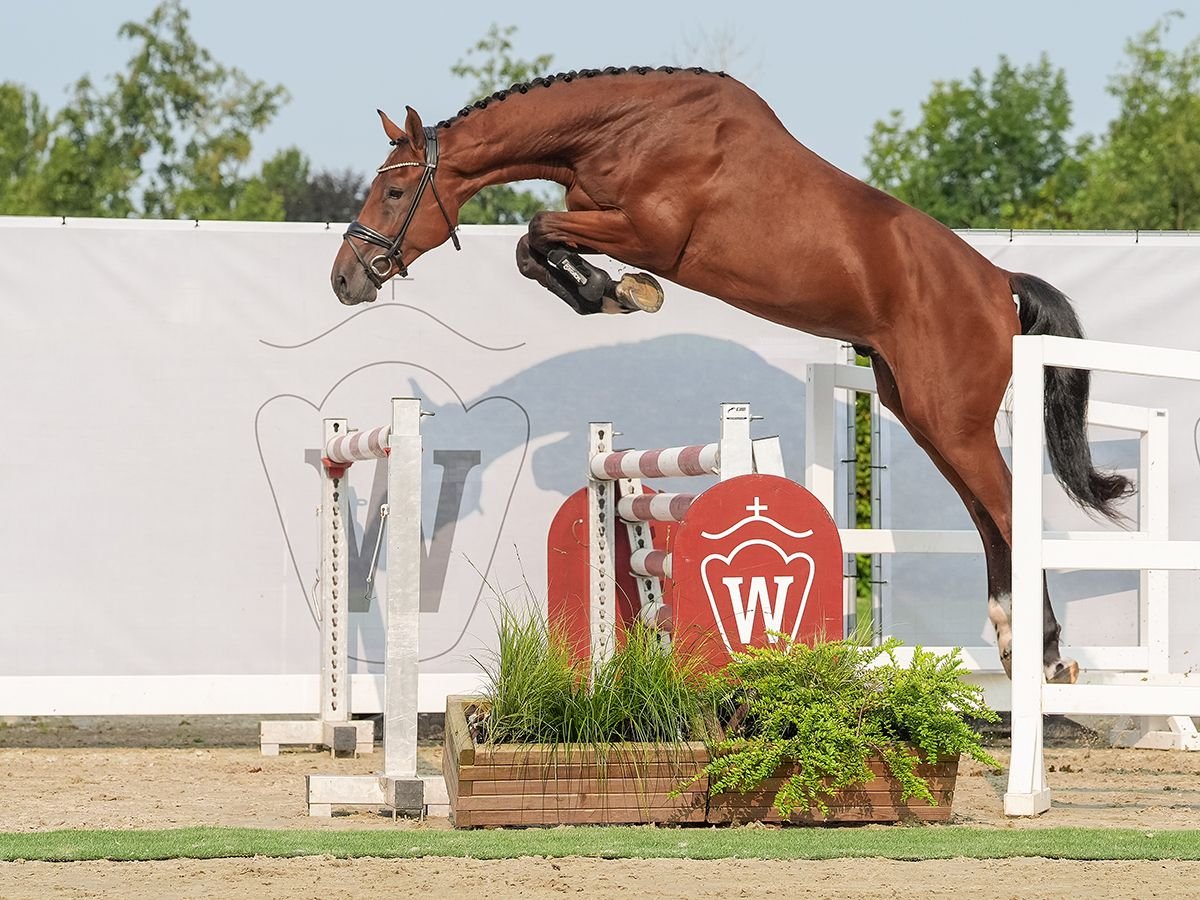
567 77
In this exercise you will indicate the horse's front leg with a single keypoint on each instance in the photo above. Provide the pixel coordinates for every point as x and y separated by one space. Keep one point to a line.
559 239
561 284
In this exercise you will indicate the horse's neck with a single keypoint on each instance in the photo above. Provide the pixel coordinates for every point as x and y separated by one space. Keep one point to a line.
519 139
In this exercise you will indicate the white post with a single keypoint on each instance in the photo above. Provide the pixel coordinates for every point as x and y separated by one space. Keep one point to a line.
403 591
1027 793
398 786
736 453
1154 499
602 519
335 618
333 727
820 447
881 486
821 462
1158 732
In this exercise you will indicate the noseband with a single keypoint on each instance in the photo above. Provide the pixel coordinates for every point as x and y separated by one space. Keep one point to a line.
378 267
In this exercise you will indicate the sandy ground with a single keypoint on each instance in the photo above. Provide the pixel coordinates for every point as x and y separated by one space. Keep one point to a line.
66 775
327 879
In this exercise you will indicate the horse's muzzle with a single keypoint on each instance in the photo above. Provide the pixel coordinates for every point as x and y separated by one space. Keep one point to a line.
353 290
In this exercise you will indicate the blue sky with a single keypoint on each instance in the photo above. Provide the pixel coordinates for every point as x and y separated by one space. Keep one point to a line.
829 70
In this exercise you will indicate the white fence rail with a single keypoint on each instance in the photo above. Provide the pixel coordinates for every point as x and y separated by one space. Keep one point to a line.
1150 550
822 460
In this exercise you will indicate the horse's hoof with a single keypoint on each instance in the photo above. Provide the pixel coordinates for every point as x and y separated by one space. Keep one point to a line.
639 291
1063 671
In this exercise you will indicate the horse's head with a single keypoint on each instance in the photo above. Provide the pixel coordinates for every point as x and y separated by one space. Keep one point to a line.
402 217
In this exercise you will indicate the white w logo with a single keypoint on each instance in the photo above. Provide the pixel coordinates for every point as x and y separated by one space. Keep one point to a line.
744 612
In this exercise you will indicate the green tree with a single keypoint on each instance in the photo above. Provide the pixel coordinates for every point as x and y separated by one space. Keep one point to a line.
24 132
1145 172
327 196
168 136
986 153
490 62
199 117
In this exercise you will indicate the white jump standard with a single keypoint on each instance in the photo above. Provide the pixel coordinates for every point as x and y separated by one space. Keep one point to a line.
398 786
333 728
615 475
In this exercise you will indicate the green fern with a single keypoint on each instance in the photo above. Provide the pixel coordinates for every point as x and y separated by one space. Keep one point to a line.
825 710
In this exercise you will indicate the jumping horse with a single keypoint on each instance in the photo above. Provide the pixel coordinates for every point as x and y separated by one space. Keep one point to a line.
688 175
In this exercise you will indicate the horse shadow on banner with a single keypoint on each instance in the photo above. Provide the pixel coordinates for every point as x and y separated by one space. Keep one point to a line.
661 392
481 448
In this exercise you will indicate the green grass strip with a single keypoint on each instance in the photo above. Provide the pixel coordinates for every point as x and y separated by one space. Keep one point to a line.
904 843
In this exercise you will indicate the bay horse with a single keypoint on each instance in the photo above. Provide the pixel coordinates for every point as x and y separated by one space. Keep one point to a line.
688 175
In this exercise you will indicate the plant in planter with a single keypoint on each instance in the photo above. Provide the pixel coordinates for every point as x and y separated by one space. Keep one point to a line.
535 694
554 742
840 731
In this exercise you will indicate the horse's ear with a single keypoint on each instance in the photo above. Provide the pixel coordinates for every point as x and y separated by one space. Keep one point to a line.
390 128
416 131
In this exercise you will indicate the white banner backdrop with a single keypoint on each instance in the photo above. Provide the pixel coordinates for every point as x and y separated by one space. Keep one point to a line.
165 385
164 389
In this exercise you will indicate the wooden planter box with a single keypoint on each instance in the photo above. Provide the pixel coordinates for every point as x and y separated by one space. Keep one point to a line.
536 784
533 784
875 801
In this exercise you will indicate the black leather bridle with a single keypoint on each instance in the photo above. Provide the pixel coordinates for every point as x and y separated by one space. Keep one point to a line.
380 266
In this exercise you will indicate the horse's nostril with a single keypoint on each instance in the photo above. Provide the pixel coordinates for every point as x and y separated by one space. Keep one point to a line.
340 282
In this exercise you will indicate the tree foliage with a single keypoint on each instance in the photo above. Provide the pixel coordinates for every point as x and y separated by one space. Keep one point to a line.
170 135
995 153
491 65
24 133
985 152
1145 172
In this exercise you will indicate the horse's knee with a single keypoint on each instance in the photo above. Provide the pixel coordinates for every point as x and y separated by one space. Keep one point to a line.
526 264
538 229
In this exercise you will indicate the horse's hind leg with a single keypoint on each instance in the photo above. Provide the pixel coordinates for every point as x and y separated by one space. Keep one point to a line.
560 237
979 466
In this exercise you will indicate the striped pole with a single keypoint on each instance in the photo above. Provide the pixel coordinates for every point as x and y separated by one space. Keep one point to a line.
359 446
661 507
673 462
650 564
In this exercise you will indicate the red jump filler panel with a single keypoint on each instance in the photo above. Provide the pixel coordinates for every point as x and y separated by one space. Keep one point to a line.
757 559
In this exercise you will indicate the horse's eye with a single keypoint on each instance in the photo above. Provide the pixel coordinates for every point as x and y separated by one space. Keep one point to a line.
395 193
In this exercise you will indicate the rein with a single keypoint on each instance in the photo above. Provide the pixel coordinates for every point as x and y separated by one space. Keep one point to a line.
379 266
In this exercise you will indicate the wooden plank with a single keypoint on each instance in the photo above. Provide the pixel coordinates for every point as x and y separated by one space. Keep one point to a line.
938 783
943 769
469 819
851 807
642 802
564 771
630 785
549 754
766 799
450 772
458 735
682 770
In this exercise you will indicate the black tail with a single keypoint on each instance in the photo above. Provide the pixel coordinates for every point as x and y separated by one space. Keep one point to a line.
1046 310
